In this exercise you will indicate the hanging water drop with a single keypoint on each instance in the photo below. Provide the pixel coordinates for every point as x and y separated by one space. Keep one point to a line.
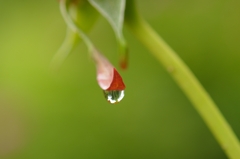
109 79
113 96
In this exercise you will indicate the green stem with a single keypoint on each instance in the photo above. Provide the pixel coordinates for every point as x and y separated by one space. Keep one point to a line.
73 26
186 81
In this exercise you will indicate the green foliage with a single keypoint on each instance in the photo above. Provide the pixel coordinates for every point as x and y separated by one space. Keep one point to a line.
113 11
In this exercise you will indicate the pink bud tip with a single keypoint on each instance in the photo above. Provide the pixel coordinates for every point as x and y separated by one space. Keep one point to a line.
107 76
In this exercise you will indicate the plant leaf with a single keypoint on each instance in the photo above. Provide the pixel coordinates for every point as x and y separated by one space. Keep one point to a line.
113 11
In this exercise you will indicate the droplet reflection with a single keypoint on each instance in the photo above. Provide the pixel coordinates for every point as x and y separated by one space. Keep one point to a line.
114 96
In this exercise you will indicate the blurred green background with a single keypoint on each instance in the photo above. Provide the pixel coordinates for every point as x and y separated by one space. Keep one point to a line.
65 116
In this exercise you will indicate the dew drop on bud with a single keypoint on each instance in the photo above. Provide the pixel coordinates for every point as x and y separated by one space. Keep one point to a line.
114 96
109 79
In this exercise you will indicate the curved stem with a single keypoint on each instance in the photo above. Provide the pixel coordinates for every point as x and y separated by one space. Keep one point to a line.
186 81
72 25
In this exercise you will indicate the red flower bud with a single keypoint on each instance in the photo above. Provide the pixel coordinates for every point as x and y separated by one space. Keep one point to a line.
108 79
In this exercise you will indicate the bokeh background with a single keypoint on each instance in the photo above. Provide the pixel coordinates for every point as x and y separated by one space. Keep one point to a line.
65 116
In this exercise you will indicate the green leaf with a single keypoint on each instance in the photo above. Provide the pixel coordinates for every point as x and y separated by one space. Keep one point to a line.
113 11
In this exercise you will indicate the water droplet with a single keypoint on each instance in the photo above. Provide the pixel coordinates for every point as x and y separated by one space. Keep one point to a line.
114 96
